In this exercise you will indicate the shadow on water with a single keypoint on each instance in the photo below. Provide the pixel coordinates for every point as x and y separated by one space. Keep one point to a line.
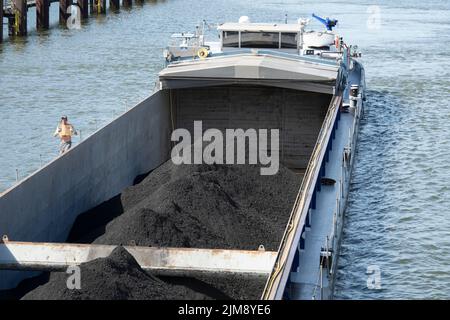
382 122
371 199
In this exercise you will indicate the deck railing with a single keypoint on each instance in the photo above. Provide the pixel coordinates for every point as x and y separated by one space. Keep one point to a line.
277 280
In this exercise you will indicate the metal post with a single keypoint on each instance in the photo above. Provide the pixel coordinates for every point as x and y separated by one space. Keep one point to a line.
84 8
114 5
42 14
63 6
20 14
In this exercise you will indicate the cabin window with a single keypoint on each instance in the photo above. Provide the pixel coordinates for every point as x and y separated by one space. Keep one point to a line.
260 39
231 39
289 40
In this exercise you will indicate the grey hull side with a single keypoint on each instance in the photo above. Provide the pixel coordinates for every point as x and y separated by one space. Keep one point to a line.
43 206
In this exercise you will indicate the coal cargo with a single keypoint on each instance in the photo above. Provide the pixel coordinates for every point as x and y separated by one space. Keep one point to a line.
195 206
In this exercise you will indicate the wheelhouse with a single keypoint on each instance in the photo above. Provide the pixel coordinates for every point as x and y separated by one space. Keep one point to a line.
286 37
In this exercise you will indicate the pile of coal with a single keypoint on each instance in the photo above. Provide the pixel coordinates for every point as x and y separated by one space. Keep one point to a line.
205 206
196 206
117 277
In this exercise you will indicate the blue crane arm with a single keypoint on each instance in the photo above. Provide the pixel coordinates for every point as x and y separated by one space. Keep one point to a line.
329 23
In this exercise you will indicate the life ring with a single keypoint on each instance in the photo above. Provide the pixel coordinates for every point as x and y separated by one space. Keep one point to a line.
202 53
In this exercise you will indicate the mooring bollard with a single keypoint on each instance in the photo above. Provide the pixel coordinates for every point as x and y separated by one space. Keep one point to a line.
42 14
20 17
63 6
114 5
84 8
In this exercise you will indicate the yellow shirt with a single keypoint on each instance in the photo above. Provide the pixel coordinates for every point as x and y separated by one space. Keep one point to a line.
65 131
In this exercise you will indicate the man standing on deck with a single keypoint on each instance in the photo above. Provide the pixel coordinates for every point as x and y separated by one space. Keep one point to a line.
65 131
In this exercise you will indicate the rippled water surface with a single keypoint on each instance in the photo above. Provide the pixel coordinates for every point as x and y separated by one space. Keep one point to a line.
397 219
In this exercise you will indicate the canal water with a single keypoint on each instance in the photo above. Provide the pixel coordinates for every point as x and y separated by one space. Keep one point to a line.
396 241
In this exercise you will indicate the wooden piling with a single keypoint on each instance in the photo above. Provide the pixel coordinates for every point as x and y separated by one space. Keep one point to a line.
63 6
84 8
42 14
20 17
127 3
114 5
1 21
100 6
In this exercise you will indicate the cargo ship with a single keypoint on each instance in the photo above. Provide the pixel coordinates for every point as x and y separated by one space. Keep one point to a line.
308 85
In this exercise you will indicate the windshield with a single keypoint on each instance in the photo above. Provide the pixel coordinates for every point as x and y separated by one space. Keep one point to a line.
231 39
259 39
289 40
